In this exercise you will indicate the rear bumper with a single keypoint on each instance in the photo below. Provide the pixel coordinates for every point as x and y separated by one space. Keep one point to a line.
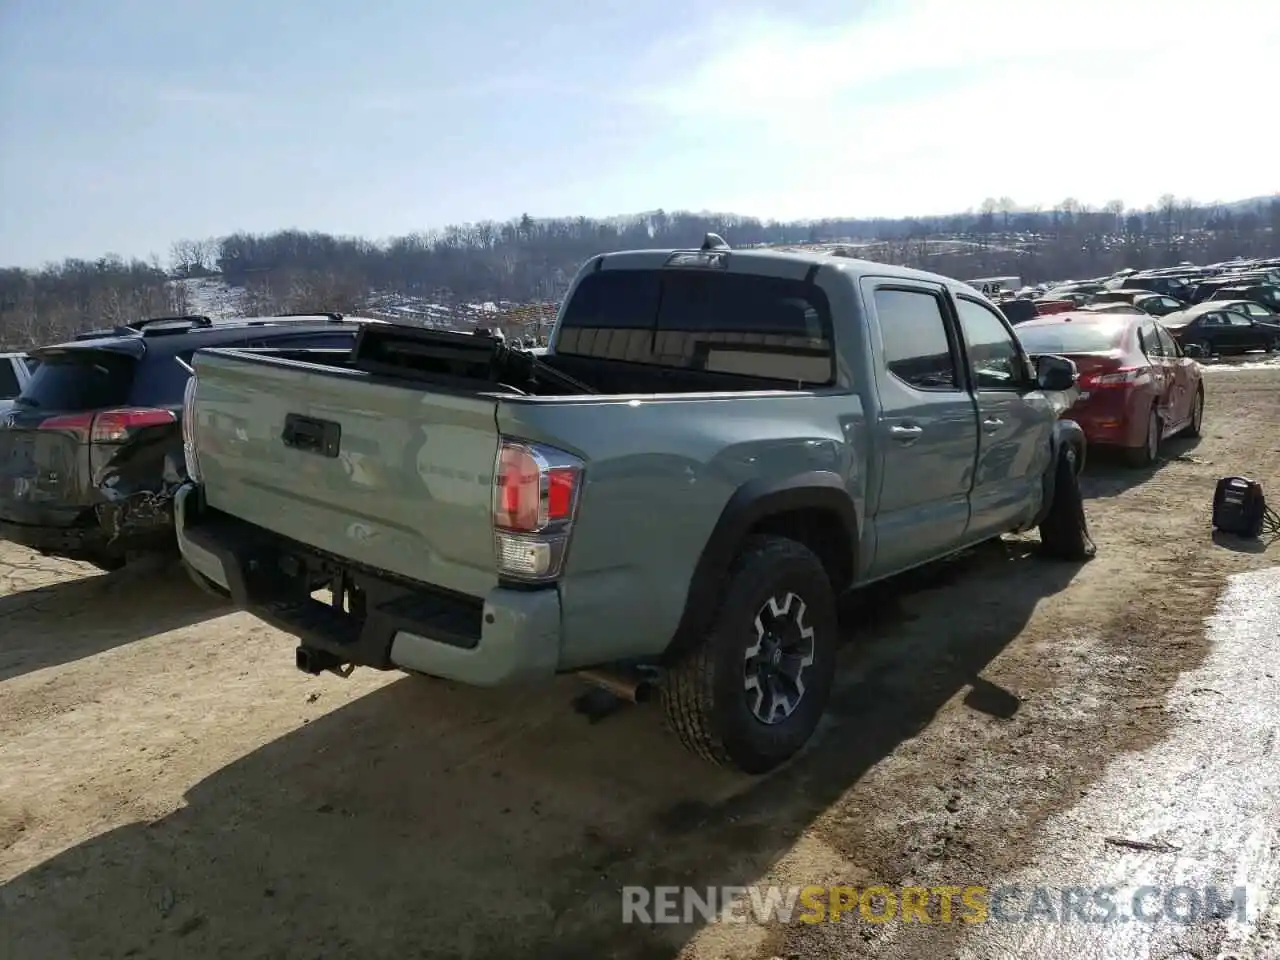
61 540
508 636
91 539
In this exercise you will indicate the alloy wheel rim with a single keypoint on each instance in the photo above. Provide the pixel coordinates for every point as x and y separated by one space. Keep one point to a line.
775 663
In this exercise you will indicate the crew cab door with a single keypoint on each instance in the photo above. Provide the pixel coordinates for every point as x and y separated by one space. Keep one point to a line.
1015 420
926 430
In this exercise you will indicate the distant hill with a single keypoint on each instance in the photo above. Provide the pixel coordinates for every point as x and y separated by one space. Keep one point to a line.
470 272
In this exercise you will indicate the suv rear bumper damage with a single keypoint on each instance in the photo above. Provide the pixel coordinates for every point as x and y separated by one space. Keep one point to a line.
96 534
509 636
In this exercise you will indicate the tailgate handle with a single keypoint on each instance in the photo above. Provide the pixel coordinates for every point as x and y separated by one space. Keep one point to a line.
312 436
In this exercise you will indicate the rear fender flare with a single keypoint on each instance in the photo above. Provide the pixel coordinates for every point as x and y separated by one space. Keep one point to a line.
751 503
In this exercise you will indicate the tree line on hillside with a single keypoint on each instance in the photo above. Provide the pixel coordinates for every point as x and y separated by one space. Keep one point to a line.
527 259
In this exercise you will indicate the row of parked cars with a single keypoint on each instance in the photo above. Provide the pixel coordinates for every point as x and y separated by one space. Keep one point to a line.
495 515
1221 308
1136 336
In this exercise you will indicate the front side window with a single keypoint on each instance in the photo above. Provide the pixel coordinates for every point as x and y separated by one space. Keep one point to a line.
914 330
994 359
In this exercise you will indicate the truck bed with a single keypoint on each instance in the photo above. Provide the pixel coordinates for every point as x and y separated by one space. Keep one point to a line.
386 459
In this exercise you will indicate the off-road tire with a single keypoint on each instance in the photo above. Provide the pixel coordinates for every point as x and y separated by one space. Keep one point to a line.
1147 454
706 702
1064 532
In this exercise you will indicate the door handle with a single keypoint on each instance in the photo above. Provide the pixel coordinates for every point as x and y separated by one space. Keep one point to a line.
905 433
991 423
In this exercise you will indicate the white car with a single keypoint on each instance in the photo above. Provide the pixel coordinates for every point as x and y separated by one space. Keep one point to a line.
15 371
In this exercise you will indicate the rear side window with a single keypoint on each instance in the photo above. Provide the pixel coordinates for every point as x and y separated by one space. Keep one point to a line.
81 380
762 327
916 348
8 379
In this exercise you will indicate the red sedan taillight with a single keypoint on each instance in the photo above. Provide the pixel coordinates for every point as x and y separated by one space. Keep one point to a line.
1124 378
535 498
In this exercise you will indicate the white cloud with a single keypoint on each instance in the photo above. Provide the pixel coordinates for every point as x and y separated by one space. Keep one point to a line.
929 106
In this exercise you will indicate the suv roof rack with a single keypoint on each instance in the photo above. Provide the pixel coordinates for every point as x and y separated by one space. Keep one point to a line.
332 317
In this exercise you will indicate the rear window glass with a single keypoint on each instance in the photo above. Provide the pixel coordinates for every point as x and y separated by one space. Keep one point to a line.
8 379
764 327
81 380
1072 337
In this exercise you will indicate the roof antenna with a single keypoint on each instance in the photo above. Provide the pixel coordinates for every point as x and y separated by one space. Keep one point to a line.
713 241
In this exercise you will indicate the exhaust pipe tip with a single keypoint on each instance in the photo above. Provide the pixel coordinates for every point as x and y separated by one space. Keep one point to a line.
625 686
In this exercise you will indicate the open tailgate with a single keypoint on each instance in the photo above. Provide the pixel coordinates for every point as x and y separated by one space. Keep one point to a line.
391 475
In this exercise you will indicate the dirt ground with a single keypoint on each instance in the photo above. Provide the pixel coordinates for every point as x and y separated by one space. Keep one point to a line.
170 786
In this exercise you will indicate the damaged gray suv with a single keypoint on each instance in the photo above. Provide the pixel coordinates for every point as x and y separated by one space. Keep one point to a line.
91 449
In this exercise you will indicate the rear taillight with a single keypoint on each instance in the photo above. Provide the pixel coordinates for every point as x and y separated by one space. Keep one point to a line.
77 423
117 426
189 430
110 426
535 497
1124 377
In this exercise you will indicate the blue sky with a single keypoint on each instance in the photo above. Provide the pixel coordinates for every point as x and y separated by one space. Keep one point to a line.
126 125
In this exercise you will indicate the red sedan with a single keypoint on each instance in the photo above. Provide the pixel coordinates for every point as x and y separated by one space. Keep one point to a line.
1136 386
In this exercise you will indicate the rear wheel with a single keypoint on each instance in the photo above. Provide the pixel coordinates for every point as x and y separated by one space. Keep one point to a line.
1064 532
751 693
1197 415
1146 454
1274 345
1202 345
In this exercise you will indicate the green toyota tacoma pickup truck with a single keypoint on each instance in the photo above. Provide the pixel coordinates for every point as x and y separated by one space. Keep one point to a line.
714 446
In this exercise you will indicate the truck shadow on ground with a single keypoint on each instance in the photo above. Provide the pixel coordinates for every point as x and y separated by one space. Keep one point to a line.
73 619
425 820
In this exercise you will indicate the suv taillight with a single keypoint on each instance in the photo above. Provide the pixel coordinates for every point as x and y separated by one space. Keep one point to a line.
535 498
189 430
110 426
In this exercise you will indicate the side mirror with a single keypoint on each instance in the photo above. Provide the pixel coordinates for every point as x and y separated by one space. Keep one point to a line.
1193 350
1055 373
